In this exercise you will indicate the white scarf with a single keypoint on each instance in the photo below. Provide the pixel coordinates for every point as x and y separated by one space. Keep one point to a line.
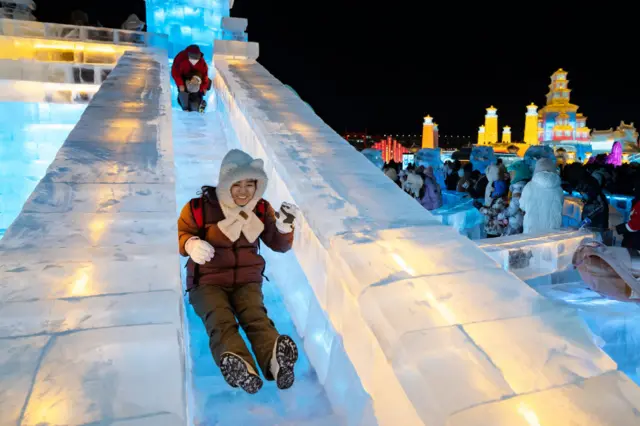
239 220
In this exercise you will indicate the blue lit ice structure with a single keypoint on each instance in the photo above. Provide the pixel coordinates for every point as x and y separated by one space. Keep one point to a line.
481 157
375 156
431 157
536 152
194 22
30 136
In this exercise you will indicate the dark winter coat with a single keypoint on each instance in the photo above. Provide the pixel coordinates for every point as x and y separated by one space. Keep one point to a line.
235 263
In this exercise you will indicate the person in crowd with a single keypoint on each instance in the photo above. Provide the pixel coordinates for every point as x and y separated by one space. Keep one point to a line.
466 181
542 199
413 184
392 174
190 73
431 196
451 180
504 174
630 231
495 206
493 177
221 233
520 173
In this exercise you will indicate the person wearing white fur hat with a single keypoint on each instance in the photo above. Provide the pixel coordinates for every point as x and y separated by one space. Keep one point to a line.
542 199
221 233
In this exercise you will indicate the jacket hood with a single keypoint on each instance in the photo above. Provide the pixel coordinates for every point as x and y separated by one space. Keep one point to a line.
193 50
521 171
547 179
236 166
545 165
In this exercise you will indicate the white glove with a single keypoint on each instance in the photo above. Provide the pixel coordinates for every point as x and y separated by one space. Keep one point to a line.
285 218
200 251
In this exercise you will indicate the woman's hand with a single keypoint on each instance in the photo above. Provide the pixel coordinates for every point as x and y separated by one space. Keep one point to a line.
200 251
285 218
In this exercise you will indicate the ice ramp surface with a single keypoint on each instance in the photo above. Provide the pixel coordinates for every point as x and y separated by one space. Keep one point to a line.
90 313
438 333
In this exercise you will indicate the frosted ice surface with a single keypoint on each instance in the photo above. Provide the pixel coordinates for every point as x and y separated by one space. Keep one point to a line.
464 375
19 360
461 215
541 351
395 283
611 399
94 375
534 255
27 147
442 300
200 145
431 157
92 271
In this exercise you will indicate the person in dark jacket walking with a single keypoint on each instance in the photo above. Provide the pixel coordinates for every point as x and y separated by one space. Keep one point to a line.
225 270
190 72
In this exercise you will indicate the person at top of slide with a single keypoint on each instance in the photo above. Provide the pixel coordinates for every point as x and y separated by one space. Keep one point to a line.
190 73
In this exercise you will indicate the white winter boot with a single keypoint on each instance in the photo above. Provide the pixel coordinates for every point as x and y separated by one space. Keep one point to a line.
238 372
285 355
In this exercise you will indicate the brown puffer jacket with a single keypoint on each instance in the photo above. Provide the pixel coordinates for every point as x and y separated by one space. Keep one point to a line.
235 263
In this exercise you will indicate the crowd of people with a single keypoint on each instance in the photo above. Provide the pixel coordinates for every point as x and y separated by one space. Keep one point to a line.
528 198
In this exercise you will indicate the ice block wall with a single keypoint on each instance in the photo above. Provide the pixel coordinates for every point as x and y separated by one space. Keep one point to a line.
438 332
91 316
188 22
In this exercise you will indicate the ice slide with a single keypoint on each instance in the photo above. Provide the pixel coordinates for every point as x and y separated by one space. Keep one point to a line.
402 320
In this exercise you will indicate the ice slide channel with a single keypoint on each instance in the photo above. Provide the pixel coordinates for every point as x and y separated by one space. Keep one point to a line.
89 314
438 332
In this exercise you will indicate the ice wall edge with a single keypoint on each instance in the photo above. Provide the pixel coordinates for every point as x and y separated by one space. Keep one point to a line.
433 326
89 270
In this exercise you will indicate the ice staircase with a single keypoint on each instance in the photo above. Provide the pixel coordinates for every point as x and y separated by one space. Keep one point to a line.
402 320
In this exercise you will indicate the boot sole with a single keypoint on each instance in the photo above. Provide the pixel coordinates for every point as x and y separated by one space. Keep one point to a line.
235 372
286 356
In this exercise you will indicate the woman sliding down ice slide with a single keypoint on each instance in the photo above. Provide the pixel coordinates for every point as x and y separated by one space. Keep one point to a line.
221 233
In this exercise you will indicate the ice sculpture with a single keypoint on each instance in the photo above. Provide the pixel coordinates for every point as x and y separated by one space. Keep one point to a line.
89 275
375 156
615 157
463 217
189 22
27 147
536 152
482 157
436 331
431 157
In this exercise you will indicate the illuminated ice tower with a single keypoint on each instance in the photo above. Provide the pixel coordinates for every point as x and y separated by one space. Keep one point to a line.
531 125
427 133
436 135
506 134
481 133
559 120
491 126
194 22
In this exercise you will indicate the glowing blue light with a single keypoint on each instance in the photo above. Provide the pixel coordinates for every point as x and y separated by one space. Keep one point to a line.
188 22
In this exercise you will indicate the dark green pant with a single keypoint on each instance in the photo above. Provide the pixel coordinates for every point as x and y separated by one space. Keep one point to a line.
218 308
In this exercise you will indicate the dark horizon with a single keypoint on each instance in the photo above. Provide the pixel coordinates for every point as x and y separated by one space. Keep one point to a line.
365 66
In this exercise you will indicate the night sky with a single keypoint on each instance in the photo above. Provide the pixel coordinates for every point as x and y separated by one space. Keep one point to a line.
383 67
